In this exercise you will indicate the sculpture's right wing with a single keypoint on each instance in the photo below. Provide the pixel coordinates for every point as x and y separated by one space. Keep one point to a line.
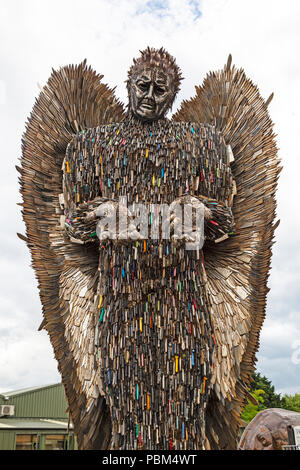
73 99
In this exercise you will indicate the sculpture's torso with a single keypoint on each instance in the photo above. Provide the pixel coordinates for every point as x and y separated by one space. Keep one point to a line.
154 335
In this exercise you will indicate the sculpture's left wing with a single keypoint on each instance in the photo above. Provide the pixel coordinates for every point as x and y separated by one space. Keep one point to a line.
73 99
238 267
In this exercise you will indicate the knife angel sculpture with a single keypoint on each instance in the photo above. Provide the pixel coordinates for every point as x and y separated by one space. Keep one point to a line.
155 342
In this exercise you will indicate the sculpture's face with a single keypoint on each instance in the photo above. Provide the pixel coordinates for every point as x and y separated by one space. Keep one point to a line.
151 94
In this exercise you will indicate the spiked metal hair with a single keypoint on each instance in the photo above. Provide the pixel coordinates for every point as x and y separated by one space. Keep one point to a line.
157 58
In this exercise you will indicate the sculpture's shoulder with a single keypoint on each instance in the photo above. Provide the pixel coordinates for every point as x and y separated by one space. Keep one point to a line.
196 130
93 135
134 135
169 129
86 144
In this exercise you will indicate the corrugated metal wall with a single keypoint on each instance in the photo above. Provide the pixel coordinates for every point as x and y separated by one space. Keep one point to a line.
47 402
7 440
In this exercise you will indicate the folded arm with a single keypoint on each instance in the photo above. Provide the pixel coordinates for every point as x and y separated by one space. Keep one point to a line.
81 221
219 221
218 218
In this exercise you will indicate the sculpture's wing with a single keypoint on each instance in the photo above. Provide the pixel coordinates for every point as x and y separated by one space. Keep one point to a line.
73 99
238 268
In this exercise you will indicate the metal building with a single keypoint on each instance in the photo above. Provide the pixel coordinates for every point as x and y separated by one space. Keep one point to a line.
35 419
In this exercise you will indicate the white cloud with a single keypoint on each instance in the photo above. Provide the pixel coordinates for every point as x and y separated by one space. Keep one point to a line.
263 38
26 356
283 333
280 345
26 359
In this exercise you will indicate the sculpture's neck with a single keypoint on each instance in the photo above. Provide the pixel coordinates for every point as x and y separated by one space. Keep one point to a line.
136 122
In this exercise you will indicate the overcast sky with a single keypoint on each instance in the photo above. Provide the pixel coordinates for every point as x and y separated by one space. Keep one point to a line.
263 37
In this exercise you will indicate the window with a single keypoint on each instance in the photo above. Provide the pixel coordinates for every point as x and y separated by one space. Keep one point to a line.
26 442
55 442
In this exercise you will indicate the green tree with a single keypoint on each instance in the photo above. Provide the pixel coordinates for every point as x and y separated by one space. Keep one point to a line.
250 409
271 399
259 386
292 402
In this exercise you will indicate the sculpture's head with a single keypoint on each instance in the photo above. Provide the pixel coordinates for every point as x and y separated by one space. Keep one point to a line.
153 82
